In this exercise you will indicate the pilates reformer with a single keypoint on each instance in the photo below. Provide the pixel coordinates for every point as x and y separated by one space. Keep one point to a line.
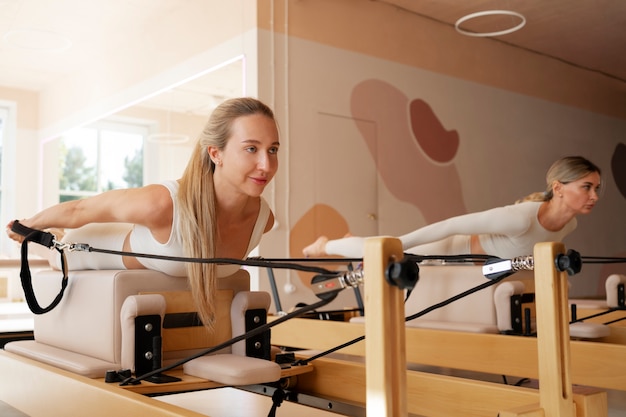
512 355
342 281
140 301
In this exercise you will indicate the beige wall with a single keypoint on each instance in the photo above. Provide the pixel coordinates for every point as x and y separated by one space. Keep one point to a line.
28 104
512 112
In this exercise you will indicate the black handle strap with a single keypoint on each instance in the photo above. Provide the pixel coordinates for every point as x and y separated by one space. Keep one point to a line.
46 239
38 236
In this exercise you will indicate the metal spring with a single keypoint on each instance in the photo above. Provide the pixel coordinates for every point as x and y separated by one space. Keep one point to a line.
354 278
525 263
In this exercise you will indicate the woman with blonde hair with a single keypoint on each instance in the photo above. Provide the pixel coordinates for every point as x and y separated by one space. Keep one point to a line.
572 187
214 210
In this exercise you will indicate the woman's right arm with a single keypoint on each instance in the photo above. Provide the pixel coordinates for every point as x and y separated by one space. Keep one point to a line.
149 206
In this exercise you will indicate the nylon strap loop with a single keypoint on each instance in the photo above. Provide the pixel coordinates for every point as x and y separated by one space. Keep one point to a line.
27 283
46 239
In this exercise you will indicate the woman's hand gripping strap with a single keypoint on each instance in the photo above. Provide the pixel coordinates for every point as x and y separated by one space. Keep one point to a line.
46 239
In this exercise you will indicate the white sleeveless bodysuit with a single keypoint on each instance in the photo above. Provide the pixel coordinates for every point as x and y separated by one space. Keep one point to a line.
142 241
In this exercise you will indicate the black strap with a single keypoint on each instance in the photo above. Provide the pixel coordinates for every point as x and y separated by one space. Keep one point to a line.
277 399
46 239
38 236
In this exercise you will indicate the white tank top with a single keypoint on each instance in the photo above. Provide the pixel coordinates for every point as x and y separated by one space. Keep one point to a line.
142 241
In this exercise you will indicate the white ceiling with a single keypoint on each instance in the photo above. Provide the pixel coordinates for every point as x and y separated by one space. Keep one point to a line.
590 34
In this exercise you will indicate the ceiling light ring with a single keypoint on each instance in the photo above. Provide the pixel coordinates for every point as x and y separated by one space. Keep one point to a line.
470 16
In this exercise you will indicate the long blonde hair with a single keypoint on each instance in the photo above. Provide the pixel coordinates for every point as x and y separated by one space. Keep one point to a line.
564 170
196 201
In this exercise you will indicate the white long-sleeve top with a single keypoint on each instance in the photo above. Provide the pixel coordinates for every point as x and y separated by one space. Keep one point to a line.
505 232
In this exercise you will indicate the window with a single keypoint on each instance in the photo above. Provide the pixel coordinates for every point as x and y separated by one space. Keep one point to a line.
2 124
7 174
100 157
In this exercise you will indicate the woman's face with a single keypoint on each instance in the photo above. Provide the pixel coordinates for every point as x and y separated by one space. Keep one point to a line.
250 159
581 195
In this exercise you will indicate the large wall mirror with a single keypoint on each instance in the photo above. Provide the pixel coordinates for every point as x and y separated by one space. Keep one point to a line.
147 142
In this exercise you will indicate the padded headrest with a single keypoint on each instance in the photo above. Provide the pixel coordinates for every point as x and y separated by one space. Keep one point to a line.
502 300
134 306
244 301
611 284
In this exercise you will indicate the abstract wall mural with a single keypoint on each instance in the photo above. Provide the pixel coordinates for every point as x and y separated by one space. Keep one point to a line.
414 152
618 168
415 157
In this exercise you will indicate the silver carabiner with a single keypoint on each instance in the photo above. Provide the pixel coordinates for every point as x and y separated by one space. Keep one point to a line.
59 245
82 247
72 247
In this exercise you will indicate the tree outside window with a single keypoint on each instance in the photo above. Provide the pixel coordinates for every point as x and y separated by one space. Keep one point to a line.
100 157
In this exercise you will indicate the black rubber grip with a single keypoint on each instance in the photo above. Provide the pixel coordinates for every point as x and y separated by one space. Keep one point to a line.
38 236
20 229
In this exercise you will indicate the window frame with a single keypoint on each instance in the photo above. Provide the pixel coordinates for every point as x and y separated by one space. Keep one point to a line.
8 138
111 125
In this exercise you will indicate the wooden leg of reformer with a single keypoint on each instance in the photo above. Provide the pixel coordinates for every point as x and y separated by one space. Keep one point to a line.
385 345
551 294
553 343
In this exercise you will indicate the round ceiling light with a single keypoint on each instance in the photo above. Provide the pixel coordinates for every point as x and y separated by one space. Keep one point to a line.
470 16
37 40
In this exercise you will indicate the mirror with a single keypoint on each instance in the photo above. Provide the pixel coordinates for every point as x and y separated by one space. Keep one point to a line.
177 116
169 122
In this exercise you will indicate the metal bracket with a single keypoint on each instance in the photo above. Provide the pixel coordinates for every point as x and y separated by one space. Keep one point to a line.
257 346
520 316
147 343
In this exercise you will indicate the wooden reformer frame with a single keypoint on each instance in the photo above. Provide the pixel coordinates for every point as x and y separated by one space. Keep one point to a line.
551 358
383 384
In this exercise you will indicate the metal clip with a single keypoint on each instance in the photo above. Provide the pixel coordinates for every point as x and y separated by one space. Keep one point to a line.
323 284
82 247
59 245
72 247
